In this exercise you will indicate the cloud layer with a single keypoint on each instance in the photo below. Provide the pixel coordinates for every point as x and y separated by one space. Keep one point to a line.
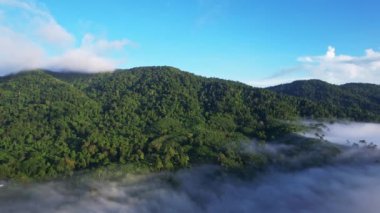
31 38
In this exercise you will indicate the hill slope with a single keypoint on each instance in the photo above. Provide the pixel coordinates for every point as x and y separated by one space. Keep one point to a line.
351 101
157 117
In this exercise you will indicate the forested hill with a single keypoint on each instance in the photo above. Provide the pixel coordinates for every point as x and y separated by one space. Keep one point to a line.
159 117
357 101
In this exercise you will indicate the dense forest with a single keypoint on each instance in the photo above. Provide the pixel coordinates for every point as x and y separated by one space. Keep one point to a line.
158 117
357 101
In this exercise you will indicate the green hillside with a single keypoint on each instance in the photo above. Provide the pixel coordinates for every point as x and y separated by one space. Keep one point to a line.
354 101
156 117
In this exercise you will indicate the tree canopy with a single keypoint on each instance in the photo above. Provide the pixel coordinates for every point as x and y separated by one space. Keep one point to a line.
55 123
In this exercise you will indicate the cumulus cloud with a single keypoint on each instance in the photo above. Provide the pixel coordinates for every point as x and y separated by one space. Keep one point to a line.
330 67
31 38
88 57
343 68
80 60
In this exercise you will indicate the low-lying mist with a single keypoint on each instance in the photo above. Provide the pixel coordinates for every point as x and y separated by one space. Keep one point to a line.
329 189
351 184
347 132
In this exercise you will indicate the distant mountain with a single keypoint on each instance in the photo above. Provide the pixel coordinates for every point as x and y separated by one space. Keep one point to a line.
355 101
156 117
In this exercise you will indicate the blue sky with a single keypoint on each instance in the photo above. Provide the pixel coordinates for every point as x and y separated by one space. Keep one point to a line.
256 42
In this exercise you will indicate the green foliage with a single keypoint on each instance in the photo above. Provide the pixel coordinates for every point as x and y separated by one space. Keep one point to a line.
159 117
354 101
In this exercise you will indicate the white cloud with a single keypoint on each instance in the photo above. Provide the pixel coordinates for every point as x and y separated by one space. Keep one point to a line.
330 52
17 52
80 59
91 43
88 57
331 67
55 34
34 39
341 69
40 19
273 81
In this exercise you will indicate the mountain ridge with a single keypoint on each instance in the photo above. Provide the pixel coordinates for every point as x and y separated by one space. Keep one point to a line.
55 123
354 97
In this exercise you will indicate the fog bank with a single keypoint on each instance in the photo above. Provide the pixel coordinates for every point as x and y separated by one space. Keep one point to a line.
329 189
347 132
350 184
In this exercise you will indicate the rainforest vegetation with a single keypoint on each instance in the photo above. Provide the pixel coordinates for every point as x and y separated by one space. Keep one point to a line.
52 124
